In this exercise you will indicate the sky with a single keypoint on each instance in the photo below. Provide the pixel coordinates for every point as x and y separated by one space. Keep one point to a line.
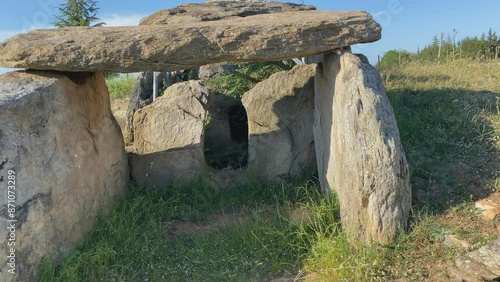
406 24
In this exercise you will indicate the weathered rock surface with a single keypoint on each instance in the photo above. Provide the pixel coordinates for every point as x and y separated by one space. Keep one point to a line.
219 10
168 145
142 95
359 150
59 137
478 266
174 47
451 240
490 207
280 116
214 70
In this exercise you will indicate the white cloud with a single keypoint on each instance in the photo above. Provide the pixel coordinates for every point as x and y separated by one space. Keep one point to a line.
121 20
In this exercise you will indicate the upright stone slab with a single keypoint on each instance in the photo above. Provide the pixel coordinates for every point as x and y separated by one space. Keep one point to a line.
64 147
280 116
142 95
359 150
169 134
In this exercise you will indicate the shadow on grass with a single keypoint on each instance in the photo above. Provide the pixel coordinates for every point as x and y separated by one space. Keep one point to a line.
400 77
135 242
449 142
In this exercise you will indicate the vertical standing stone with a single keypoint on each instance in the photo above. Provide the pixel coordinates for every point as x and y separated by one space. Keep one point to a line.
58 135
169 135
142 95
280 114
358 149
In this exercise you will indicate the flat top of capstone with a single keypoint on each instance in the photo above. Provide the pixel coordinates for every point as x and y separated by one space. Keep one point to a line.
251 36
220 10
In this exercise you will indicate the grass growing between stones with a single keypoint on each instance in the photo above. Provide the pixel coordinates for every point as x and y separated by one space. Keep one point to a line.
449 120
139 240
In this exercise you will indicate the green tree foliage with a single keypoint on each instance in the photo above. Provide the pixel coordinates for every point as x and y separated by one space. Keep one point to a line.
393 58
78 13
492 37
473 47
469 47
246 76
487 46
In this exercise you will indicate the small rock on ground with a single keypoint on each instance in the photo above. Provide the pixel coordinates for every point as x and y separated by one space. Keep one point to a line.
480 265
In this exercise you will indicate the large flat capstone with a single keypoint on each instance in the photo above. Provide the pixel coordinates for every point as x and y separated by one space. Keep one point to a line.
264 37
219 10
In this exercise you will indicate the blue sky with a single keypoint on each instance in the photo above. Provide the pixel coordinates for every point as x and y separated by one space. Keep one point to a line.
407 24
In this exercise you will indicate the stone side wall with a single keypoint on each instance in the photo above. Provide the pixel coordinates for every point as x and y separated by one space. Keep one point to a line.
280 117
169 136
59 137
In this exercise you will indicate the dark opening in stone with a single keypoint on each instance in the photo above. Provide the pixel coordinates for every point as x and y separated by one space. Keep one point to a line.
226 135
238 124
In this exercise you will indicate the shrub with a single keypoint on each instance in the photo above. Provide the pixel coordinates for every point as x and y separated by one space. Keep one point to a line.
245 77
120 86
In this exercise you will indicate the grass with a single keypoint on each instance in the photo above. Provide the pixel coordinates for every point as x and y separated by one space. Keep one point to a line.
232 157
136 242
120 86
449 122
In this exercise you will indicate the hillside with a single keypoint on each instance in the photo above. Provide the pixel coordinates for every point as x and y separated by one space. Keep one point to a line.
449 120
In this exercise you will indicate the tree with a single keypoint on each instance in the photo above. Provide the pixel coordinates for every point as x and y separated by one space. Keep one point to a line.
393 58
435 41
78 13
492 37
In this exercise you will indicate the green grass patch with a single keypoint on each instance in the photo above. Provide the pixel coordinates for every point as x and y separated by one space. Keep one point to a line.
120 86
449 132
136 242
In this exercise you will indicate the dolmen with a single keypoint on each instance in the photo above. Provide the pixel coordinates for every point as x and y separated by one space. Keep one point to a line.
62 155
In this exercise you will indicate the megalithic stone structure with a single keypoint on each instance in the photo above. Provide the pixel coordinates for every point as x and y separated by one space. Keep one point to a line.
58 135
